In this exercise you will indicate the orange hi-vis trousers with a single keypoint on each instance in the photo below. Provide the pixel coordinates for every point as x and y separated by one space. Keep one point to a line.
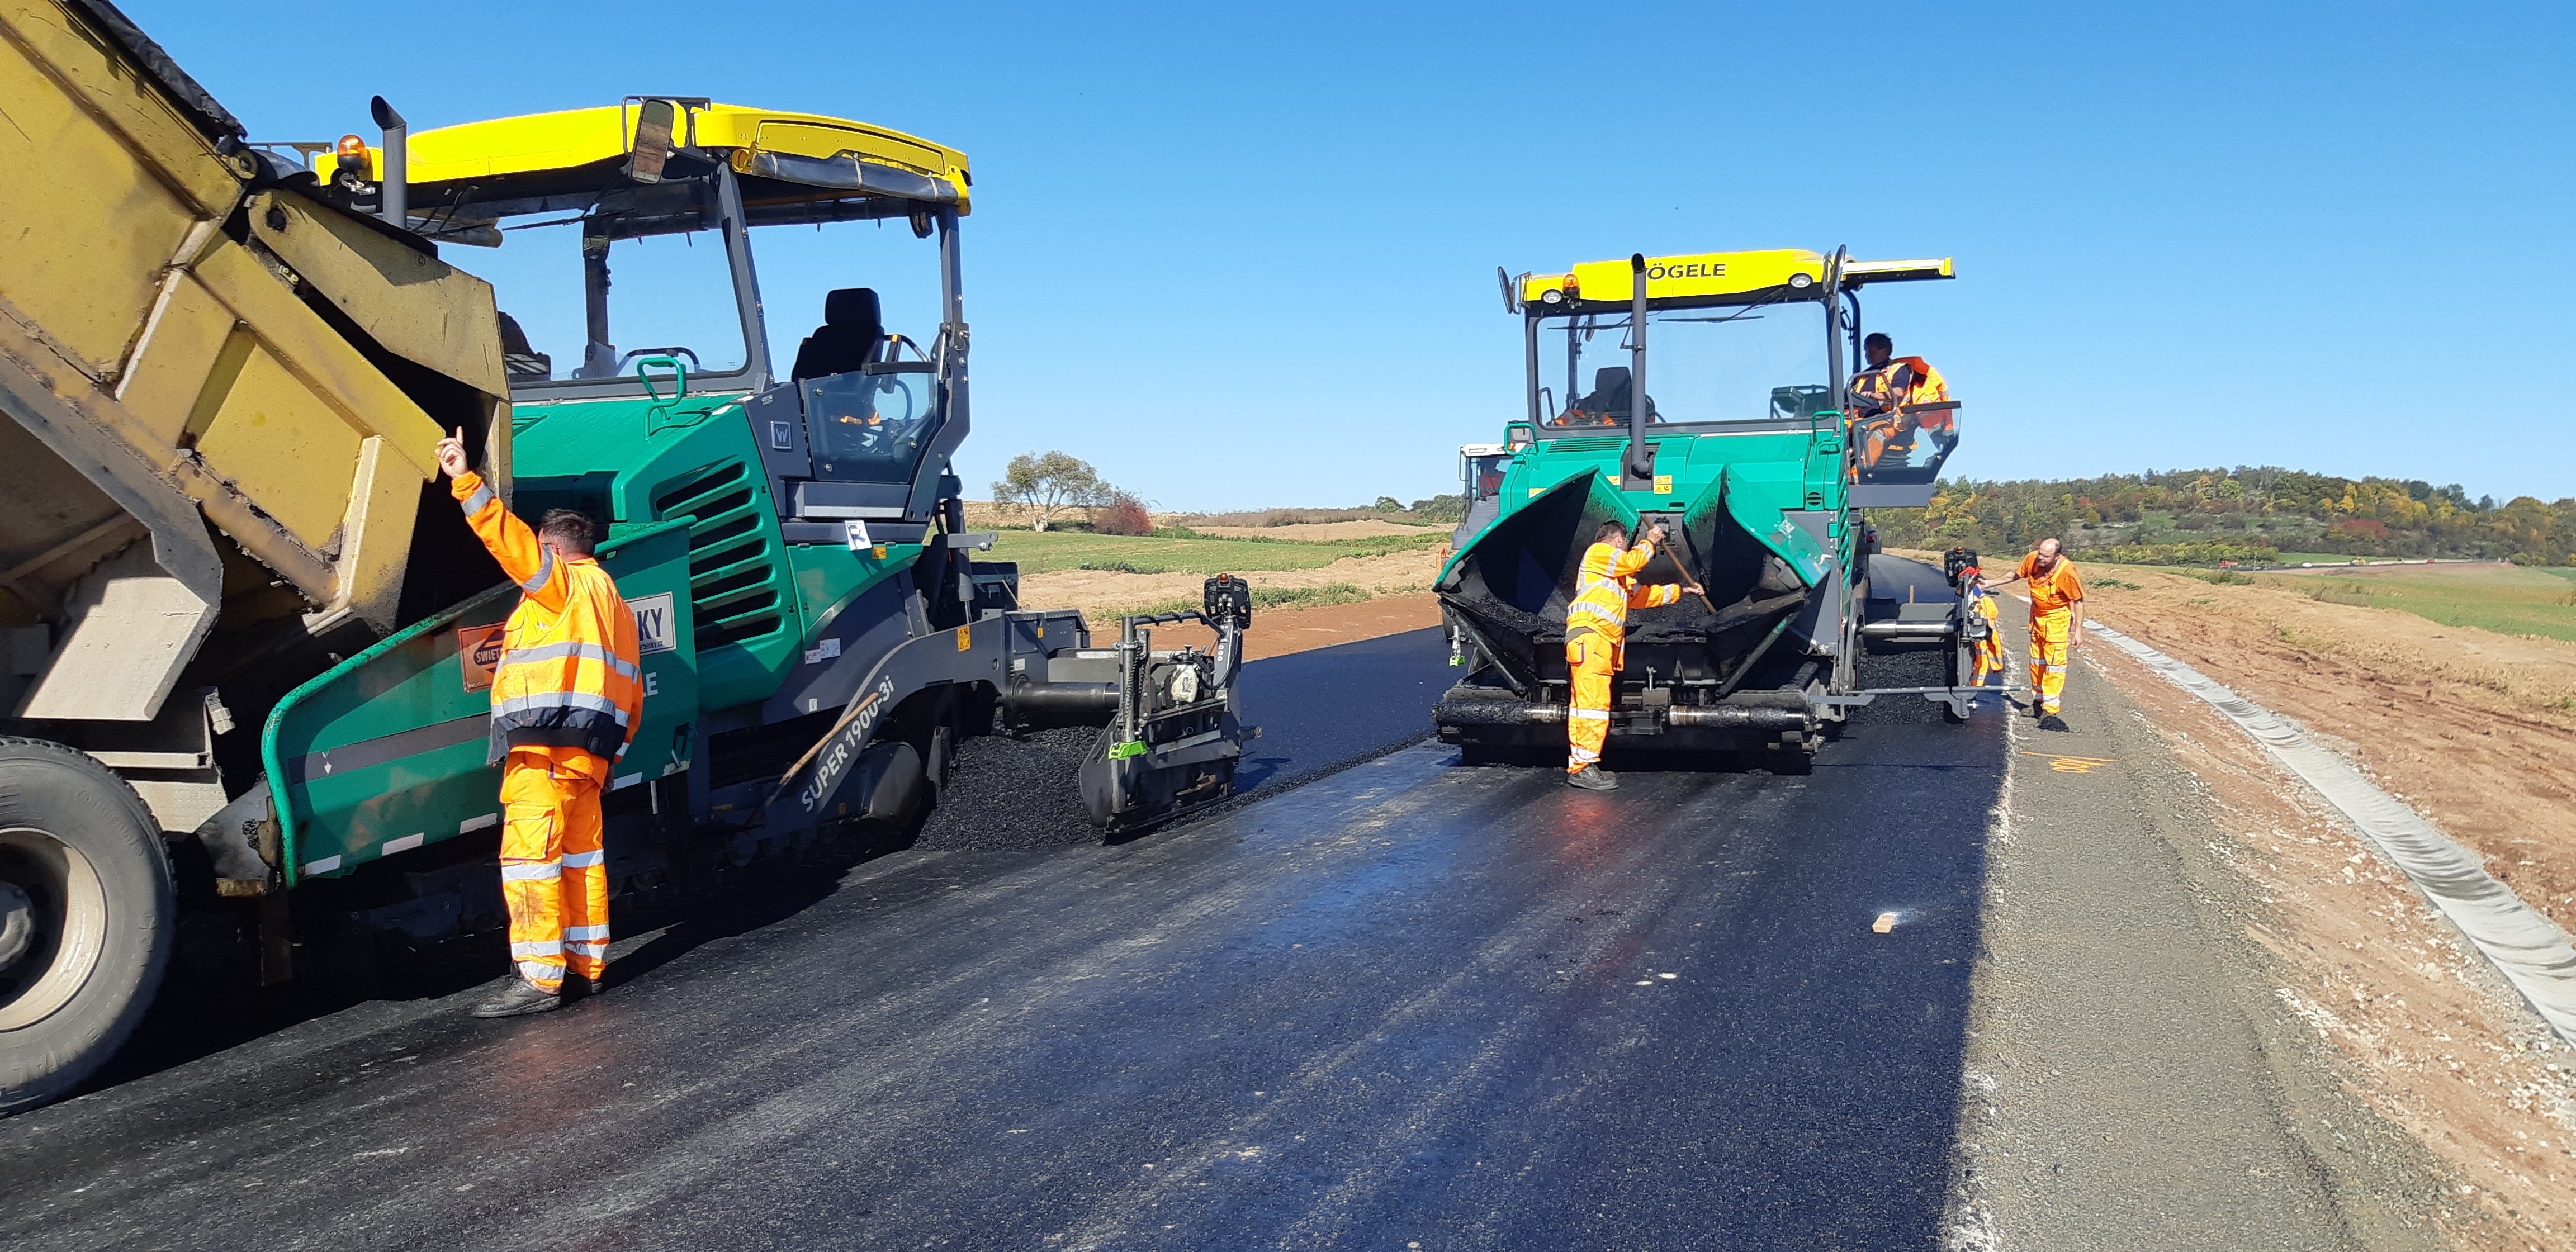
554 877
2048 632
1987 655
1593 662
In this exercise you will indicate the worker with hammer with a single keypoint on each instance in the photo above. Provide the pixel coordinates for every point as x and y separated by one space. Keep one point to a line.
1596 640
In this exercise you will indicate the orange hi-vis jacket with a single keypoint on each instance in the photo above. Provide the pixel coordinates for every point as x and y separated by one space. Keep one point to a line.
569 675
2055 591
1903 380
1606 589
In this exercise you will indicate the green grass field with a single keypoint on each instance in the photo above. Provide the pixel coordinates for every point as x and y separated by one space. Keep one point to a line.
1040 553
2509 600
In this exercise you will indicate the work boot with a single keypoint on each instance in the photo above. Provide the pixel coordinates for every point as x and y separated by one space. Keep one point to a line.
1593 778
2051 721
581 986
520 998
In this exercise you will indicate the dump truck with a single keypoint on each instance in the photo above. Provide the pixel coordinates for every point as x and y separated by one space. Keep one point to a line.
1748 448
248 636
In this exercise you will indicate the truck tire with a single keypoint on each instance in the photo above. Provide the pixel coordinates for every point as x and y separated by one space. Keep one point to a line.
86 876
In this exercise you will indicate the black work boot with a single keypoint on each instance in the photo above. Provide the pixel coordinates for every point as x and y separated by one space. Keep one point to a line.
1593 778
518 999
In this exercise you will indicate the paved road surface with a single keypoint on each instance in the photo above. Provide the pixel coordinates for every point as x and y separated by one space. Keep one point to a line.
1409 1004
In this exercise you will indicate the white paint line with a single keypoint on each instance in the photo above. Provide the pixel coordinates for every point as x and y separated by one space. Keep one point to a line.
472 824
406 843
323 866
2526 947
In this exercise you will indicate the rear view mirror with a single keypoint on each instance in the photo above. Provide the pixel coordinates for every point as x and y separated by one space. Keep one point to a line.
652 141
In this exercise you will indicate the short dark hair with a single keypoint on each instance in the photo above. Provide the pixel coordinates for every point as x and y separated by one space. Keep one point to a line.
1878 339
570 529
1609 528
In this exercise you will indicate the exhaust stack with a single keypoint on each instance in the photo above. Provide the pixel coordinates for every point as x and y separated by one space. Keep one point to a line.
1640 463
394 205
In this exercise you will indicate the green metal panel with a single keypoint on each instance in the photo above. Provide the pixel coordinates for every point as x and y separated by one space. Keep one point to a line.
386 751
1756 476
830 576
639 460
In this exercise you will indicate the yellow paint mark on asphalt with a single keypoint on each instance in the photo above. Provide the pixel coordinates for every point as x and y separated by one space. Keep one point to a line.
1885 923
2072 764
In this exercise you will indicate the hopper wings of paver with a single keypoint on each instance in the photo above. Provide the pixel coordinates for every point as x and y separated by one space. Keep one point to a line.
1742 448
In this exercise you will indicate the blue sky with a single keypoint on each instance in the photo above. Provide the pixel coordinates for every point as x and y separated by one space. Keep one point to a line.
1240 257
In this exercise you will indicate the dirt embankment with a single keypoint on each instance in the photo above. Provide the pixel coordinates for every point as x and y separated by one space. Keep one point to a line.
1315 532
2429 1035
1103 594
2476 730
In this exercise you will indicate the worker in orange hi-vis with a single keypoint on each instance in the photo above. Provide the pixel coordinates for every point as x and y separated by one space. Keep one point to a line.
1986 654
2056 623
1596 641
566 698
1882 394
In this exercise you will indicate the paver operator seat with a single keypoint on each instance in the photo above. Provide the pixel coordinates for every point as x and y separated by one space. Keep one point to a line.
851 336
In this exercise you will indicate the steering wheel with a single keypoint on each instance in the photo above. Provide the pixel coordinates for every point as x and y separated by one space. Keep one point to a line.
693 357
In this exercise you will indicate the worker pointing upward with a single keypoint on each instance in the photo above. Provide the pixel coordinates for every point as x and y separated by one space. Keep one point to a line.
1596 641
566 698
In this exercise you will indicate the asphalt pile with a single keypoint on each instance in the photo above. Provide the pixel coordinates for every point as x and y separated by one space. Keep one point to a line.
1009 792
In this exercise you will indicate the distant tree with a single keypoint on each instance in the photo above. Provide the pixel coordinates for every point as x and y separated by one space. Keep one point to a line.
1388 504
1448 508
1049 483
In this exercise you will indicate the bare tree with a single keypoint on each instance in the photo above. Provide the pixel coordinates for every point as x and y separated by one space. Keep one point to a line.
1048 483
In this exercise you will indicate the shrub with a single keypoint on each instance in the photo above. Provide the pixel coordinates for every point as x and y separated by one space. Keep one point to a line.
1124 514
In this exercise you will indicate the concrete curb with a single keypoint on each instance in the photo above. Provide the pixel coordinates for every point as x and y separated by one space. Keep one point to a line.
2524 945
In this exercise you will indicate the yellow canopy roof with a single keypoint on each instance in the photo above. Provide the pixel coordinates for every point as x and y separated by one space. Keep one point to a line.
541 143
1713 275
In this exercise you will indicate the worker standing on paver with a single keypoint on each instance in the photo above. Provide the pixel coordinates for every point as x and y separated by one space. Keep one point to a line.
1596 641
2056 624
566 697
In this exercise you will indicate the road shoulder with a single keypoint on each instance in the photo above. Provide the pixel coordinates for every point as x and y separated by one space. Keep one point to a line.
2133 1079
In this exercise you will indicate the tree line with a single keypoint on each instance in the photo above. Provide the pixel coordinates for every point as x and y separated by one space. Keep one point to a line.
2186 516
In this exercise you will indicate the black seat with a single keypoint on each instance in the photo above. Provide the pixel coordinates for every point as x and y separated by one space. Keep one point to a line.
851 336
1609 398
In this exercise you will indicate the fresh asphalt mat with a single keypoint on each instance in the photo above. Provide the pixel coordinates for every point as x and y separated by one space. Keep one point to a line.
1408 1004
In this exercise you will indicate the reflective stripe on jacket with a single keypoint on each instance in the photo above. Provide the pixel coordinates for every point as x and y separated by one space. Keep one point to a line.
1606 588
568 676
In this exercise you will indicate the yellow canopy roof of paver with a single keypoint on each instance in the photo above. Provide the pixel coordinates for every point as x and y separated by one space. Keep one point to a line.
545 142
1715 276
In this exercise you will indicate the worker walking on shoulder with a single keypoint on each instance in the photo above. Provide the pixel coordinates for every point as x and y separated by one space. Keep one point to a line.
566 698
2056 623
1596 641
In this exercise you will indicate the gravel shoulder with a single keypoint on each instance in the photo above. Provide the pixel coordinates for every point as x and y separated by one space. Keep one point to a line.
2133 1080
2367 978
